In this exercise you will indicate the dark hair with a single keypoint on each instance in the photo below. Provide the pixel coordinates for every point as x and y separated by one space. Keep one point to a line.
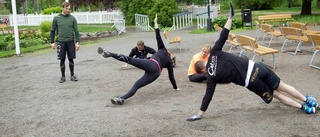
65 4
199 66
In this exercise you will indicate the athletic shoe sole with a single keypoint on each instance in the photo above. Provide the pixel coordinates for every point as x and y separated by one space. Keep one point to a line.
100 50
115 102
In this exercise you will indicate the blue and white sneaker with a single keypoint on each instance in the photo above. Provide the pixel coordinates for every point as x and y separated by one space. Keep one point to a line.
311 101
308 109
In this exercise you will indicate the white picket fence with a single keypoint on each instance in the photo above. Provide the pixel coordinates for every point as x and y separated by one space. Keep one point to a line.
202 19
142 22
182 20
98 17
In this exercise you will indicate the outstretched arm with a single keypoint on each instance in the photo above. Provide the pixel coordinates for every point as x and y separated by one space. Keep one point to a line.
225 32
158 37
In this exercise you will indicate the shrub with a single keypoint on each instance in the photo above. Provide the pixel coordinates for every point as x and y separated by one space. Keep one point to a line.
31 42
3 45
8 38
165 9
52 10
257 4
45 26
222 20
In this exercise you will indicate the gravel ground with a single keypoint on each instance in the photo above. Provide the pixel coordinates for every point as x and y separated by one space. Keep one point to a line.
33 103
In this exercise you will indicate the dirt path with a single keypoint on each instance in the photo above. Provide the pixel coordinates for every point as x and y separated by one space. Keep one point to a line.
33 103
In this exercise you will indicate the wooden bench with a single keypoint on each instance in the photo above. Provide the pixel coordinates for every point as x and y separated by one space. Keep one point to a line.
218 29
3 26
293 34
315 38
250 45
275 18
232 41
303 27
172 40
269 30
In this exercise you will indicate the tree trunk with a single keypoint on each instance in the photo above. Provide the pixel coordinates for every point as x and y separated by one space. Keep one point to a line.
306 7
36 6
318 3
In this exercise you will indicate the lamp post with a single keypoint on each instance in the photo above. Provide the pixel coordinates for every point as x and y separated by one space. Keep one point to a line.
209 26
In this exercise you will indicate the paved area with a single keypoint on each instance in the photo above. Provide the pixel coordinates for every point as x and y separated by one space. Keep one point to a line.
33 103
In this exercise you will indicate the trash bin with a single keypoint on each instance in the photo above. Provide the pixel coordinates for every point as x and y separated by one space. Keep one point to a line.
246 17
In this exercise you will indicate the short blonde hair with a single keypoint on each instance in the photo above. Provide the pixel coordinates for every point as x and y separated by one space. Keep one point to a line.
206 48
140 43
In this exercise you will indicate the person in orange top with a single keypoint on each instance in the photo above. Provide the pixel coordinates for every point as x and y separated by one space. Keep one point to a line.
203 55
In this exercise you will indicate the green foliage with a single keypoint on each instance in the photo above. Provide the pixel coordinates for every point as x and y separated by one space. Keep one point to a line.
31 42
46 37
199 2
51 10
3 45
293 3
222 20
257 4
309 20
8 38
165 9
4 10
45 26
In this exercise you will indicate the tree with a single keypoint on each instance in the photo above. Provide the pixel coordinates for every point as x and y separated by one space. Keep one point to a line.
165 9
306 7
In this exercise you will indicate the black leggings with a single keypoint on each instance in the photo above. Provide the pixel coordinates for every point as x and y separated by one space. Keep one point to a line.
197 77
63 68
151 69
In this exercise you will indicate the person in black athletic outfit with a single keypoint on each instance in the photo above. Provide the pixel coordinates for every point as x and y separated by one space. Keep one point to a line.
140 51
152 66
223 67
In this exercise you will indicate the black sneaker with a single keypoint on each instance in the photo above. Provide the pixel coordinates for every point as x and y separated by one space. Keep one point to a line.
74 78
62 80
104 53
174 61
100 50
117 101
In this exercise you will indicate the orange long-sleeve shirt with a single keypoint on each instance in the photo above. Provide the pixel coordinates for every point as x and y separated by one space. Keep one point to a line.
194 59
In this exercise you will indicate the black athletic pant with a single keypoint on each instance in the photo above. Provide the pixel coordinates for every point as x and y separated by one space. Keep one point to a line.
197 77
151 69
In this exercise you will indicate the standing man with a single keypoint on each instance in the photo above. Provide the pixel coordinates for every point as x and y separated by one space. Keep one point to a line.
66 27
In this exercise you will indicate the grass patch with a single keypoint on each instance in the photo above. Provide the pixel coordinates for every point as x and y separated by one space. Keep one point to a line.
201 31
10 53
95 28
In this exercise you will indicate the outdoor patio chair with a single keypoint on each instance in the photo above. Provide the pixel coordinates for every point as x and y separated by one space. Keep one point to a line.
303 27
259 30
293 34
269 30
218 29
250 45
232 41
172 40
315 39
